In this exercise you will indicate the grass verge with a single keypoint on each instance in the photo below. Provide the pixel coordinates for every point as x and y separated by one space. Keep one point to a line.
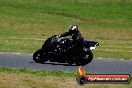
26 78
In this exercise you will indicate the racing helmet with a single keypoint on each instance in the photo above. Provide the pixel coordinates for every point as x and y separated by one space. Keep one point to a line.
73 29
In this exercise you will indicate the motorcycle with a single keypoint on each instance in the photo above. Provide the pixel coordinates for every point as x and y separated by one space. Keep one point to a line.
61 51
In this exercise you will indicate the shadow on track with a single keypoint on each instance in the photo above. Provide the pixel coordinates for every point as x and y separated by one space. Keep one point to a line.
55 63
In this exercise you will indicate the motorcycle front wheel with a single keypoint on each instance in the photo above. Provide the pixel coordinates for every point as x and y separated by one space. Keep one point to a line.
84 60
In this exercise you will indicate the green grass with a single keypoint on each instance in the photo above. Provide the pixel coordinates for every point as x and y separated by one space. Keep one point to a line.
25 24
38 72
26 78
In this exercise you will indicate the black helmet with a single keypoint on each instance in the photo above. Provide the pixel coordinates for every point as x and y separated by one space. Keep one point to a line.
73 29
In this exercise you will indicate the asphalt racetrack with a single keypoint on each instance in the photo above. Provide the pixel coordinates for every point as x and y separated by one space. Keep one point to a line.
101 66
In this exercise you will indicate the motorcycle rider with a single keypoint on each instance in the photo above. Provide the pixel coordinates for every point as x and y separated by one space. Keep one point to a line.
78 39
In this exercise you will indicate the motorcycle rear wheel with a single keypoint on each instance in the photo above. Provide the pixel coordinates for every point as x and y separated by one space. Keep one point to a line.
38 56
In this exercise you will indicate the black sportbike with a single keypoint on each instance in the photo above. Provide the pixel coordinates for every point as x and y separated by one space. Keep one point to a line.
61 51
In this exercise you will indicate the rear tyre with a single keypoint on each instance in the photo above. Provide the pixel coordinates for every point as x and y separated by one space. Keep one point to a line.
38 56
85 59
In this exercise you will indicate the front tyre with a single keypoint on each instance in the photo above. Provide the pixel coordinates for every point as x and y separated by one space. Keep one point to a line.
38 56
89 57
70 61
84 59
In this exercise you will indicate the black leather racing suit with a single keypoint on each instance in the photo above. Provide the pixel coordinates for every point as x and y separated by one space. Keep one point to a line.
78 40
